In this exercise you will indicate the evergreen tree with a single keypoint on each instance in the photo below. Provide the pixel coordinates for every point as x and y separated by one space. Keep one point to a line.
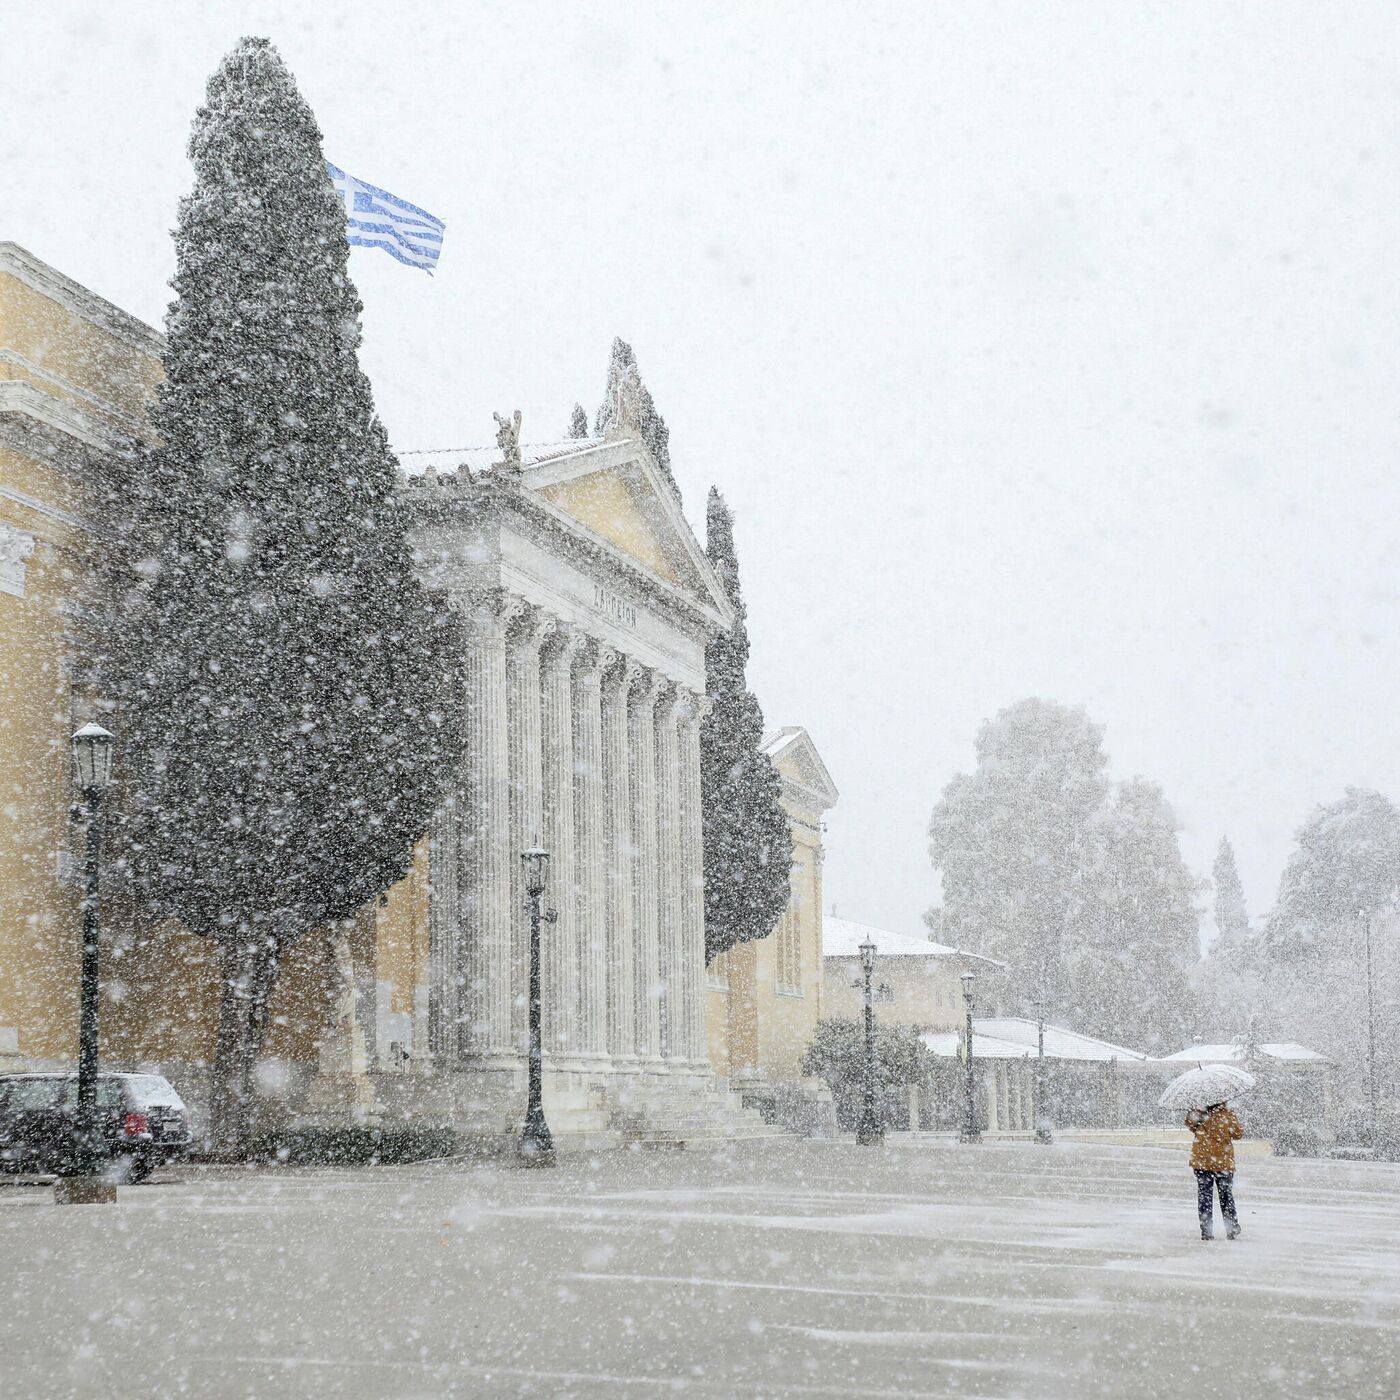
1131 959
748 846
578 423
1078 885
654 431
1342 879
1231 915
1012 838
281 677
1347 860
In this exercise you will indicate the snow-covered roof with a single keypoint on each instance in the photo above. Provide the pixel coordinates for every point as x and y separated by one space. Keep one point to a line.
773 744
1060 1043
446 460
947 1045
1235 1054
1014 1038
841 938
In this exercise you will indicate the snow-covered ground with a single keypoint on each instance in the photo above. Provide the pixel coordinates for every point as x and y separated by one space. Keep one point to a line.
775 1269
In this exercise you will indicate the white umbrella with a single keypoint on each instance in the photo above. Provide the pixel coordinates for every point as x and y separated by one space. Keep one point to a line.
1205 1085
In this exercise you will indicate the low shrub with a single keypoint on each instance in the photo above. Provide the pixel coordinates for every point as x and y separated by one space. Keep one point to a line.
1297 1140
356 1145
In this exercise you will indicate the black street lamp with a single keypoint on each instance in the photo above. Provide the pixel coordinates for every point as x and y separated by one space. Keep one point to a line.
869 1131
1042 1120
970 1131
82 1180
536 1146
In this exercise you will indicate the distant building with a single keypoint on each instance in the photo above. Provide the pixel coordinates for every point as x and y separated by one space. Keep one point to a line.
1293 1084
764 999
917 982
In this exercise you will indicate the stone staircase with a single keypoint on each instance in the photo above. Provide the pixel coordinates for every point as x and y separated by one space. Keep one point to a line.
658 1117
692 1111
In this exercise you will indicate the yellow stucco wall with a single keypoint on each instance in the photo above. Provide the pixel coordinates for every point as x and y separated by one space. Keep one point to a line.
71 369
759 1017
38 912
100 369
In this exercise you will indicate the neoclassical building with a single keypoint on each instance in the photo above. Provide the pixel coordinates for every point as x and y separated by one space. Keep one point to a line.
764 999
585 603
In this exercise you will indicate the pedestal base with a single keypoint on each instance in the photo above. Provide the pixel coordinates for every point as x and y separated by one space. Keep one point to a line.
84 1191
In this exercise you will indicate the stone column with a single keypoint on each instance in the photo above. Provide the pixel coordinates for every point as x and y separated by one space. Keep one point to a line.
691 892
560 938
590 842
669 881
619 852
641 736
527 634
449 928
476 843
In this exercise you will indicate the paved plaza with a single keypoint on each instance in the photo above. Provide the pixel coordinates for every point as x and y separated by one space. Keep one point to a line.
774 1268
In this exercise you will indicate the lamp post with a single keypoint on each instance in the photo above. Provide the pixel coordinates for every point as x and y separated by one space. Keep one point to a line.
1370 1024
536 1146
82 1181
1042 1121
970 1131
869 1131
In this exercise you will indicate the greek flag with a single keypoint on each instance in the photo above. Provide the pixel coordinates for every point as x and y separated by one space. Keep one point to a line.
376 219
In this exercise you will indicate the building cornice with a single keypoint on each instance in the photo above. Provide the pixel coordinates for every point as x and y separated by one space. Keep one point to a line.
21 399
22 265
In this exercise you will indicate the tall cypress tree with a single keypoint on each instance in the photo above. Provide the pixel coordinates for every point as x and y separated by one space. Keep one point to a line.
748 845
655 433
578 422
1231 916
280 676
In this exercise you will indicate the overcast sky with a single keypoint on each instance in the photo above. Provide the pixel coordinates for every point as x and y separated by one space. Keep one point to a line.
1045 350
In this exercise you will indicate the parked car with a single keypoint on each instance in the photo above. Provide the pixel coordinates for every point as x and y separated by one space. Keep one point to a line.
144 1122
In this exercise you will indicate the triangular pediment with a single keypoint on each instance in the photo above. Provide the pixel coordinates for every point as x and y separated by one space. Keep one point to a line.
613 490
800 766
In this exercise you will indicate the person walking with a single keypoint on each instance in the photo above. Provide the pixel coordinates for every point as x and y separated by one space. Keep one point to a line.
1216 1130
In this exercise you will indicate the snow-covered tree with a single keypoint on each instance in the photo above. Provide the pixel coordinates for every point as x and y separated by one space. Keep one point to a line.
836 1053
280 676
1231 915
654 431
1078 885
1131 959
1343 876
578 422
1347 861
748 845
1012 842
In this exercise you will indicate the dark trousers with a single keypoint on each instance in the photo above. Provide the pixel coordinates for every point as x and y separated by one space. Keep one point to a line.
1223 1183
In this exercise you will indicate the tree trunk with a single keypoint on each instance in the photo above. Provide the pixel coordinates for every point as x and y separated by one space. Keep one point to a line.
248 970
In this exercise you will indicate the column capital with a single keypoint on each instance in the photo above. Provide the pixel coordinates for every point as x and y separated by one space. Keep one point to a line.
692 707
645 685
492 611
594 658
530 627
561 643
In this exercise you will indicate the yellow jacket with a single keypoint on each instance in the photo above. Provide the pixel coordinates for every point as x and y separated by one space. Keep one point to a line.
1216 1131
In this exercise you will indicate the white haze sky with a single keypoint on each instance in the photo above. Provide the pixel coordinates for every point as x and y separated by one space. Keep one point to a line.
1040 349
